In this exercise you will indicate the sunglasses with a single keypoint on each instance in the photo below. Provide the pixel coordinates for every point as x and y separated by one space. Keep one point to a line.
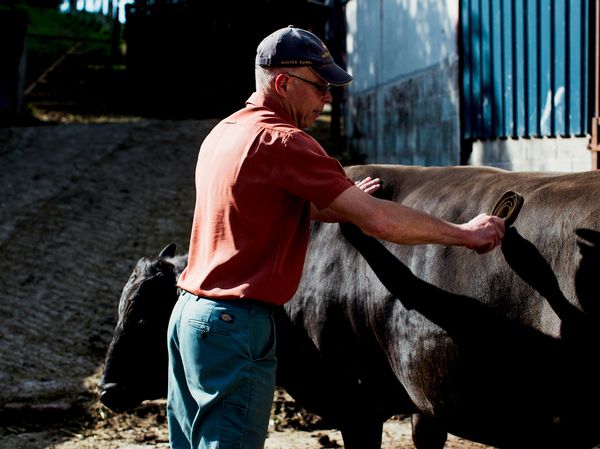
322 88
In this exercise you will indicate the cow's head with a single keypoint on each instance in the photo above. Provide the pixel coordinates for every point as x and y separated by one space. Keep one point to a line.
135 368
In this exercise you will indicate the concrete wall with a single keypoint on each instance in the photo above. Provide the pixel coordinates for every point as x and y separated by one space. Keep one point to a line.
546 154
403 106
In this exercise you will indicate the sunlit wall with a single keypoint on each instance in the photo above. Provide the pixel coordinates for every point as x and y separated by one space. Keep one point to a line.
404 103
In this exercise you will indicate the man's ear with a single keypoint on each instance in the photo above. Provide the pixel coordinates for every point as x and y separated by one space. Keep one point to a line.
281 84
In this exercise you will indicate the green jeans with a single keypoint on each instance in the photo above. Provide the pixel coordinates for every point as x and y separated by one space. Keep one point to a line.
221 373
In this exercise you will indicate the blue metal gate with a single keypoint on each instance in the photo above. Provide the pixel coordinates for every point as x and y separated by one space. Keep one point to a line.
525 68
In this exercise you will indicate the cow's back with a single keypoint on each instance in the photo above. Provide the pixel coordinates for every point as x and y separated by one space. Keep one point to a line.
471 338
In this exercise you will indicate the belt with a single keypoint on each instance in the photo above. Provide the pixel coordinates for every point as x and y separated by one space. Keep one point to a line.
245 303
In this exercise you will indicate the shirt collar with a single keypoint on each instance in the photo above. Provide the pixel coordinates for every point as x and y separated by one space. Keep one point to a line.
259 99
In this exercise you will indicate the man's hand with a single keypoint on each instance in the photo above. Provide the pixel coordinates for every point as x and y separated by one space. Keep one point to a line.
486 232
368 185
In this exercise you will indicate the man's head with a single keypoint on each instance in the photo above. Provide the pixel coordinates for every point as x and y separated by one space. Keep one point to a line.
295 68
294 47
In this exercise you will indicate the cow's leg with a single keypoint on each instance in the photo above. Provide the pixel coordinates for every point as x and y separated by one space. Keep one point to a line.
364 433
426 433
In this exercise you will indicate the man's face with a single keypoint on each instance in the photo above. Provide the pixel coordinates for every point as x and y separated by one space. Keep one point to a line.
306 96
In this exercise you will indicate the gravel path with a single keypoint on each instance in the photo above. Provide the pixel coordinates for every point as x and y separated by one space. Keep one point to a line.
79 204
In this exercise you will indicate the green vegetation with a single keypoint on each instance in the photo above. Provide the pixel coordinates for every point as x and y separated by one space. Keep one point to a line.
52 34
71 60
52 23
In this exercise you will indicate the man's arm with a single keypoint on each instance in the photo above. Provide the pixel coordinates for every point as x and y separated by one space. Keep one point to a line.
396 223
367 185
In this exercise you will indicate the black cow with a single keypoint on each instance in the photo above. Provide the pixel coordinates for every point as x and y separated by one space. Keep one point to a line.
135 367
498 348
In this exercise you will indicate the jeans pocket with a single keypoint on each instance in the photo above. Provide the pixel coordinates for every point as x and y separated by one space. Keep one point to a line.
207 327
262 338
203 319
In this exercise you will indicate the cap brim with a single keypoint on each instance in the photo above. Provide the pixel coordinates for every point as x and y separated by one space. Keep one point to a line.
332 73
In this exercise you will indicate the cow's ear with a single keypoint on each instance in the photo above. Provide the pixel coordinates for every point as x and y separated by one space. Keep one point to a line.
168 251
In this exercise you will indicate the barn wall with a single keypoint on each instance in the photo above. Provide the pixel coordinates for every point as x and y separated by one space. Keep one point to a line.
197 58
403 106
525 83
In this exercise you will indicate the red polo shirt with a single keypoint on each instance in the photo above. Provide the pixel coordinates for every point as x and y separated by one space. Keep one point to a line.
256 175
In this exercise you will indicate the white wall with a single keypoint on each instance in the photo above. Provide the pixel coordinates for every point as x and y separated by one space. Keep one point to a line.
565 154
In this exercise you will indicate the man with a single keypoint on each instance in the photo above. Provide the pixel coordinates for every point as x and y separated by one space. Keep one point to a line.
259 181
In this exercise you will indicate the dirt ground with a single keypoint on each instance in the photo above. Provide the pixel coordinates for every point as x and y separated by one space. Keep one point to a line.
146 428
80 203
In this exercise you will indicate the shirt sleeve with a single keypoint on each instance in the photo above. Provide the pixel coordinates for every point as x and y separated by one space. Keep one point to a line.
307 171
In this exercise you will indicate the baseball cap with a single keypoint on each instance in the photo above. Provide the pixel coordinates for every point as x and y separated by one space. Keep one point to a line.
295 47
